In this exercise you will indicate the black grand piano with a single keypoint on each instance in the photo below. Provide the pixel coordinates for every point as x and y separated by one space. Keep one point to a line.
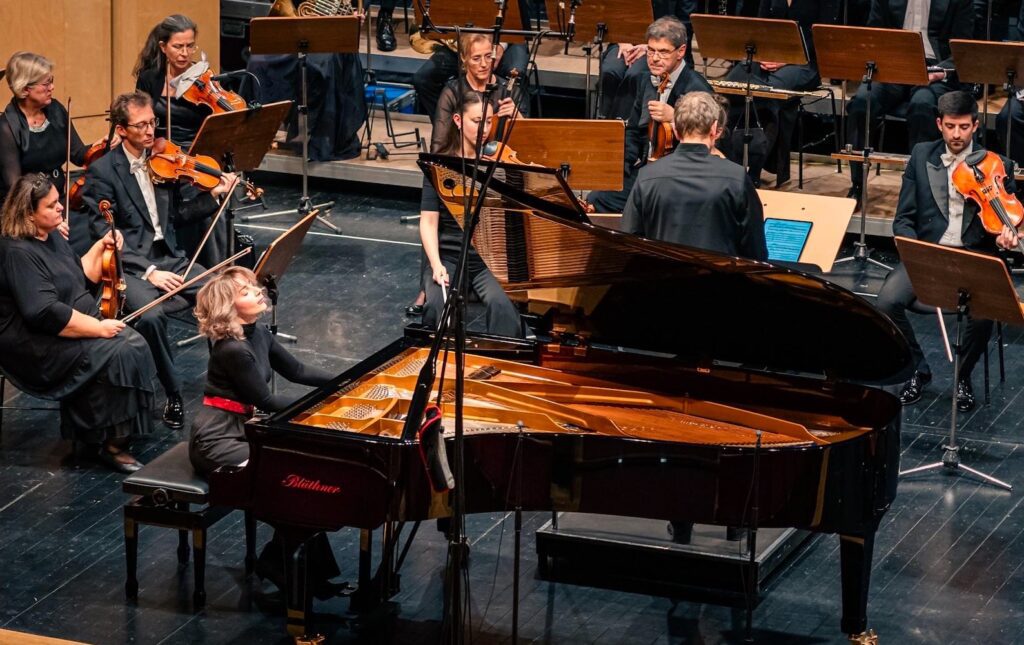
654 369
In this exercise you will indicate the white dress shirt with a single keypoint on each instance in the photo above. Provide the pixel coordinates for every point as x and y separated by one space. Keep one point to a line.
141 172
917 20
954 232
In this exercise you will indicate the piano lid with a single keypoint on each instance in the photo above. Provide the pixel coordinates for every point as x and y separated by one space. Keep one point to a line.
695 306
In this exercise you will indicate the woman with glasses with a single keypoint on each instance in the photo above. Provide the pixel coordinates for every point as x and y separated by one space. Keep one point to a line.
166 55
34 127
52 344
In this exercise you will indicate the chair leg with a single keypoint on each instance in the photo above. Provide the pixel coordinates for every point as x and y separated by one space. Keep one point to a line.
182 548
250 543
131 556
985 355
999 341
199 566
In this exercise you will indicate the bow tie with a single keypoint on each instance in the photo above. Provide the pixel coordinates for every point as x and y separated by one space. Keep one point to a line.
948 158
139 164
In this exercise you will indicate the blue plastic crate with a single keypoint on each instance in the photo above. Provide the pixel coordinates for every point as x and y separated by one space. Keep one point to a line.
396 96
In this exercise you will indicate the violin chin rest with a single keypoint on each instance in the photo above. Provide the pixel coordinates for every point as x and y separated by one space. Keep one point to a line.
976 157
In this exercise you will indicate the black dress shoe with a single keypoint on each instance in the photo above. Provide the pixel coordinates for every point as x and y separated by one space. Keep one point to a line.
110 460
385 32
964 395
414 310
913 388
174 412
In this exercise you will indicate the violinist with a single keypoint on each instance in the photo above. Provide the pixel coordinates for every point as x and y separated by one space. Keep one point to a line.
34 128
670 79
148 214
52 345
930 209
442 236
165 56
693 197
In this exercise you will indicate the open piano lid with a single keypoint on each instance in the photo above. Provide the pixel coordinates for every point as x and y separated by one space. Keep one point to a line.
696 306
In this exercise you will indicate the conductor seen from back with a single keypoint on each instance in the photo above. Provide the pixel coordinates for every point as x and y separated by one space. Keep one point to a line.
694 198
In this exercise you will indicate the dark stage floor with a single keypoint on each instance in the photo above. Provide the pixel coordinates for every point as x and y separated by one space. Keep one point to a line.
948 567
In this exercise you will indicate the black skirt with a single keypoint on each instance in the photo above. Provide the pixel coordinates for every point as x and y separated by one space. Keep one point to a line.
217 439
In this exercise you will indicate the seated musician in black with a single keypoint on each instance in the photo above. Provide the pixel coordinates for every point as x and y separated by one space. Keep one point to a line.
930 209
666 49
52 345
243 358
937 22
442 237
778 118
694 198
624 65
147 215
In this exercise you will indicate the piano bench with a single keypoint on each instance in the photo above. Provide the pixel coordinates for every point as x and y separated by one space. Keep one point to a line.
165 490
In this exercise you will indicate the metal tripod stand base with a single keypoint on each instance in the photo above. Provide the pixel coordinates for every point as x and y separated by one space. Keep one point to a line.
302 210
951 463
861 253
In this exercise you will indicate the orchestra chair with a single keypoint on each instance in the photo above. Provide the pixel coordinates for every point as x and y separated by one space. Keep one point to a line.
917 308
164 492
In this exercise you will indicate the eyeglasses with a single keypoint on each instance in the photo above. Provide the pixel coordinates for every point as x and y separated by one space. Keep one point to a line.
48 82
142 126
661 54
178 48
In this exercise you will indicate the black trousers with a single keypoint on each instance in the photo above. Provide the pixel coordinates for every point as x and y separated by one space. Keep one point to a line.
1012 111
885 99
501 315
152 325
777 118
897 295
443 65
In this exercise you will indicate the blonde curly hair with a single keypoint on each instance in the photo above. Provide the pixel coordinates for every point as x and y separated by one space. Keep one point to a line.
215 304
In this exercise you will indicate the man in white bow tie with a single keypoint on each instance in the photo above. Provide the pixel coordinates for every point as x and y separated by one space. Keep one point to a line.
931 209
146 214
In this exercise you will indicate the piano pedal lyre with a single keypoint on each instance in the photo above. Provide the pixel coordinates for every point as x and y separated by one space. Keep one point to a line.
864 638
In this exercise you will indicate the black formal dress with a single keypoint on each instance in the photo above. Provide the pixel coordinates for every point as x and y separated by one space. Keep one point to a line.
637 144
946 19
111 178
104 385
448 105
501 315
922 213
239 372
778 118
186 117
694 198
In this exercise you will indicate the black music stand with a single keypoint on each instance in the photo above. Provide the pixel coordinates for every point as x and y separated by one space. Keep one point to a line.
990 63
751 40
968 283
304 36
275 261
868 55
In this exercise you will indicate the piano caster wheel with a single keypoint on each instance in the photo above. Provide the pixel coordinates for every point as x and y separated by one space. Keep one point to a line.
864 638
131 590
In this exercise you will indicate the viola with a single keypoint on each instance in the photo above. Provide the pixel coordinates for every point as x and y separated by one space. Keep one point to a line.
168 162
111 274
206 91
980 177
498 126
661 136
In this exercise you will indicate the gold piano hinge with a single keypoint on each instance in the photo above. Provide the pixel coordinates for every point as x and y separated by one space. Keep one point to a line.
566 344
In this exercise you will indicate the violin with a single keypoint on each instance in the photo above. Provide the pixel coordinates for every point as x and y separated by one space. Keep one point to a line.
206 91
168 162
661 136
980 177
498 125
111 275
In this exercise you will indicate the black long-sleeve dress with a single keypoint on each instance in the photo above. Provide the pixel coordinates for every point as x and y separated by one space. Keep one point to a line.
104 385
24 149
240 371
186 117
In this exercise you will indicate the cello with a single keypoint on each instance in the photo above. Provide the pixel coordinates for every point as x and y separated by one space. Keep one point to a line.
980 177
113 292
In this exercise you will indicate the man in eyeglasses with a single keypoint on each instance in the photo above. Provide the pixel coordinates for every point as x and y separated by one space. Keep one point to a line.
146 214
670 78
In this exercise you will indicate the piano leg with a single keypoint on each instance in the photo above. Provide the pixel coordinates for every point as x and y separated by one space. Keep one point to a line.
299 598
363 600
855 553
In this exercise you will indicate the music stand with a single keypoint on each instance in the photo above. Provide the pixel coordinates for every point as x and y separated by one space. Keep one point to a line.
275 261
867 54
304 36
749 40
990 63
554 143
969 283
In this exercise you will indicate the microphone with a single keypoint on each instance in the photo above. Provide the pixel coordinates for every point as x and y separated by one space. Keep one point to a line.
499 22
223 76
571 30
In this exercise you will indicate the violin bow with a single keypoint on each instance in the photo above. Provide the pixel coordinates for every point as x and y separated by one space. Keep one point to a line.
209 229
67 167
173 292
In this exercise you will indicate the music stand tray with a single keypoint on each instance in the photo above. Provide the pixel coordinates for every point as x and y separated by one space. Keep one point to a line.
990 63
968 283
303 36
275 262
